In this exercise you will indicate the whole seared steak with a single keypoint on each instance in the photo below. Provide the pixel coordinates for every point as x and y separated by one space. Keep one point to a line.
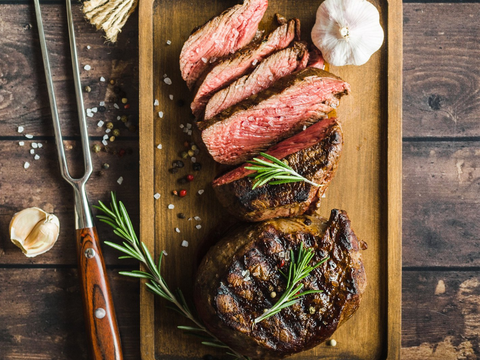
256 123
224 34
241 63
276 66
313 153
237 277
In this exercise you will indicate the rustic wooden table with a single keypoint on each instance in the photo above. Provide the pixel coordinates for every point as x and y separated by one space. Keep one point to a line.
40 316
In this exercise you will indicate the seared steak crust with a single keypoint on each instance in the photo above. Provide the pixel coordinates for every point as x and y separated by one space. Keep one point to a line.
224 34
236 279
317 161
274 114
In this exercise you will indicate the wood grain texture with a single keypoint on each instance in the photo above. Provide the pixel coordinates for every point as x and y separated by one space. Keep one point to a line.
23 95
441 70
42 319
362 170
98 307
441 186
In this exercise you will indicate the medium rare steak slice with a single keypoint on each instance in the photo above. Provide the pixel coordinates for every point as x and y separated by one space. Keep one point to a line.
241 63
276 66
313 153
274 114
236 279
224 34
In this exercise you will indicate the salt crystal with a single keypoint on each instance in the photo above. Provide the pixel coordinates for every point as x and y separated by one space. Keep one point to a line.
115 105
169 42
171 206
160 114
105 137
100 123
204 60
193 159
119 117
156 103
102 79
104 142
26 165
165 75
189 219
107 130
198 227
28 136
281 254
189 126
170 97
90 114
40 145
20 129
168 81
200 192
102 103
324 196
197 218
120 180
157 196
254 62
87 67
21 143
88 47
94 110
34 145
189 132
182 126
32 151
304 127
185 243
36 157
159 146
177 230
164 253
185 130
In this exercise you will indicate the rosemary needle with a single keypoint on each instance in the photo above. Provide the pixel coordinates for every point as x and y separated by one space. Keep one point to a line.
275 172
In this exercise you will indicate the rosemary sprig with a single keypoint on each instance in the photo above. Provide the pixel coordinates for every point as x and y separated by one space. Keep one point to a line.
275 172
117 217
297 271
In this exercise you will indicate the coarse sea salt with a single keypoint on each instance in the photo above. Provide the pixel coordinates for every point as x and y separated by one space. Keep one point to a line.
102 79
201 191
169 42
100 123
177 230
157 196
104 142
21 143
159 146
36 157
32 151
40 145
164 253
120 180
34 145
87 67
197 218
160 114
105 137
156 103
88 47
185 243
102 103
115 105
20 129
28 136
119 117
107 130
198 227
168 81
26 165
171 206
170 97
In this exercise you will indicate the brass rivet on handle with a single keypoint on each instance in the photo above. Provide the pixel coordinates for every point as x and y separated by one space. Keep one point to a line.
100 313
89 253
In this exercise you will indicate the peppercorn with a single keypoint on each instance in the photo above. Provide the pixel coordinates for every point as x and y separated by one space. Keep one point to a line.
124 100
273 294
116 89
112 138
194 147
173 170
186 144
182 181
178 164
101 173
96 148
175 192
109 125
181 216
88 89
182 193
124 118
121 152
189 177
197 166
311 310
116 132
132 128
190 153
127 106
184 154
102 108
282 263
112 82
105 166
308 222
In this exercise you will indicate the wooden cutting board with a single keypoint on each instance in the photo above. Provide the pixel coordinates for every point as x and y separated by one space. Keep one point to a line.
367 184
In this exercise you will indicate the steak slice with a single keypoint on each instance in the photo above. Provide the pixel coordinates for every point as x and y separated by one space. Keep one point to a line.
274 114
224 34
241 63
313 153
276 66
236 278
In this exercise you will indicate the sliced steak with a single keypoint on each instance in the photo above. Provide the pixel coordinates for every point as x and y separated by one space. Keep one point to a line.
313 153
241 63
276 66
274 114
236 278
224 34
316 59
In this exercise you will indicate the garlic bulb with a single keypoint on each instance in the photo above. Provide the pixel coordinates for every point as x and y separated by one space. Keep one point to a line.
34 231
347 32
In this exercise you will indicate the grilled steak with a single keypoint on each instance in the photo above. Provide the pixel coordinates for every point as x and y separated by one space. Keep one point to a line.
271 69
316 59
235 281
222 35
274 114
241 63
313 153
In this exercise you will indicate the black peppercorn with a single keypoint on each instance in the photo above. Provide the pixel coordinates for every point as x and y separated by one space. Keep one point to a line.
197 166
178 164
181 216
102 108
308 222
182 181
173 170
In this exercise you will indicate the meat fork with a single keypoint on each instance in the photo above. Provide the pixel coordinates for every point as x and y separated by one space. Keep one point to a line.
99 312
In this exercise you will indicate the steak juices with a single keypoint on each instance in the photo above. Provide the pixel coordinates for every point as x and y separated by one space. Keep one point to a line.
269 93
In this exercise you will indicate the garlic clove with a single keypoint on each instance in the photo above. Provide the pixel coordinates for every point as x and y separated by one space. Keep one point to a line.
34 231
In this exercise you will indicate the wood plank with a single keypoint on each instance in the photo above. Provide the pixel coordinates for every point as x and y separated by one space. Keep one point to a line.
441 70
42 315
441 204
440 315
42 185
23 95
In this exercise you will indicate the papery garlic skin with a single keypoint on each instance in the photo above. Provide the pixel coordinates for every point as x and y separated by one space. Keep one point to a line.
347 32
34 231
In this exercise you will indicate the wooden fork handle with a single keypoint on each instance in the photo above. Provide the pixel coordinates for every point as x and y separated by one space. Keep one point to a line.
100 320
